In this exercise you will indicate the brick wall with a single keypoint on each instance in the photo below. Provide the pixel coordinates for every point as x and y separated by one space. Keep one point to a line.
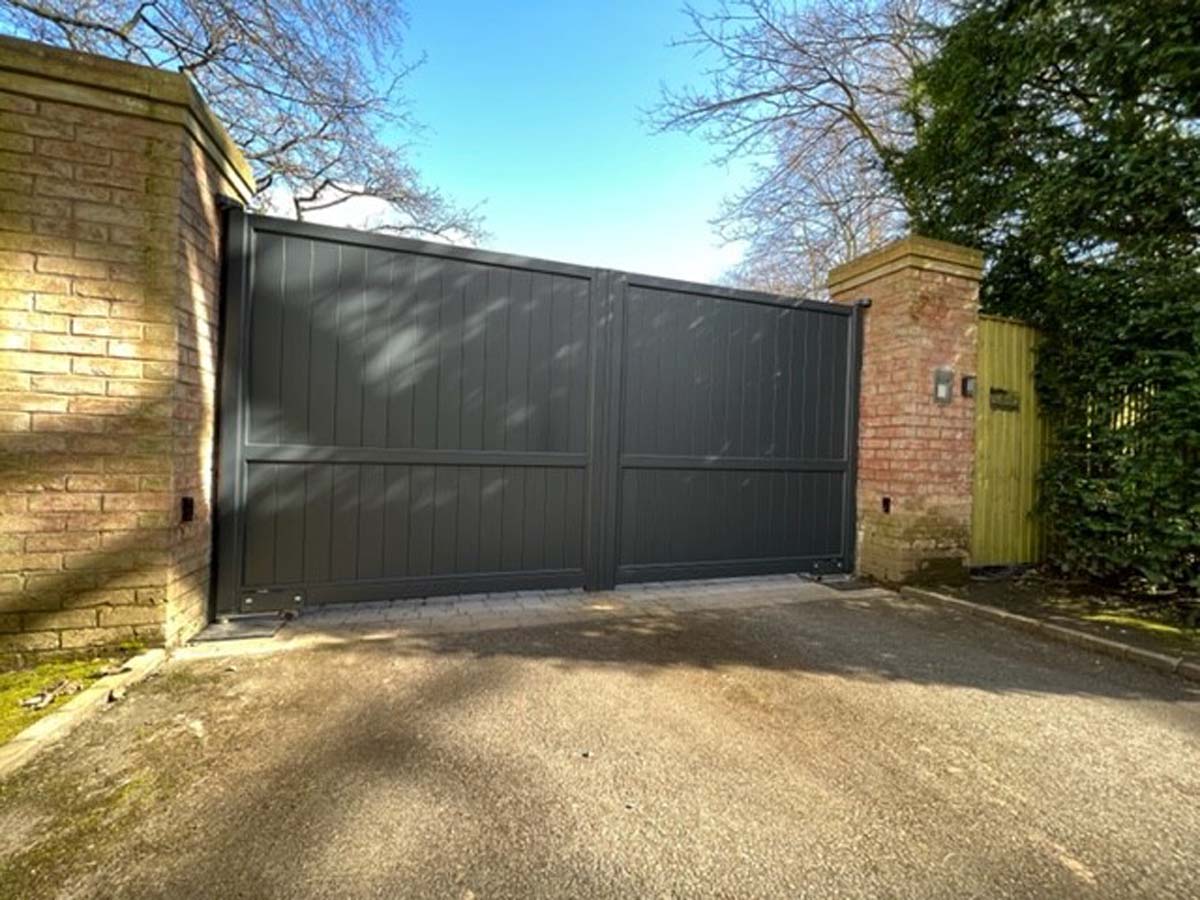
109 268
911 450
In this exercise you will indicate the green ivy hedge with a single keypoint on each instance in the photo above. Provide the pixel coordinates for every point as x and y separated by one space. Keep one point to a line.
1061 137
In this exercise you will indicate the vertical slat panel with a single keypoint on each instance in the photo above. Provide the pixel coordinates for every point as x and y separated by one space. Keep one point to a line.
343 551
513 519
445 519
266 324
318 519
1009 448
297 320
492 519
377 373
561 315
573 520
322 377
260 525
541 311
579 361
467 541
348 415
533 551
426 354
421 519
406 343
495 383
474 358
517 418
289 524
397 508
556 498
371 522
450 357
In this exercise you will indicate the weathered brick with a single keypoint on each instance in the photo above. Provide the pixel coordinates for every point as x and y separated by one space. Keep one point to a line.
110 290
16 202
17 103
67 423
106 328
38 126
33 362
62 343
143 350
20 300
76 306
32 321
76 638
43 640
115 368
64 502
55 187
11 181
102 483
68 265
19 143
58 619
31 402
138 502
131 615
12 261
26 562
15 421
64 540
53 148
68 384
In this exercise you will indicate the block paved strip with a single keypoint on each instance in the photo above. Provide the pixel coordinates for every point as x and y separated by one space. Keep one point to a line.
515 609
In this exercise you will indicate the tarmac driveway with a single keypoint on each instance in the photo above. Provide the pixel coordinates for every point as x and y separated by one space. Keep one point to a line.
834 747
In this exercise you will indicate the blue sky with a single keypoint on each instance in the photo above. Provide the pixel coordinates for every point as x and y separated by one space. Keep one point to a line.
536 107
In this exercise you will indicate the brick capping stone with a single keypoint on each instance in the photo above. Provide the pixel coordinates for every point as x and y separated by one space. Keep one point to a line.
114 86
915 456
110 256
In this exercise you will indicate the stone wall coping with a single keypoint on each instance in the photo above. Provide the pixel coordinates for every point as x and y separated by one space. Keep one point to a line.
913 251
85 79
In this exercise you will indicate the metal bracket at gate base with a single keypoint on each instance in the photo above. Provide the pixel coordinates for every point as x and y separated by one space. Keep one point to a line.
271 601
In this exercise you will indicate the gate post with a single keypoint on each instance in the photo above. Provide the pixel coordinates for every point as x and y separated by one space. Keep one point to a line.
916 432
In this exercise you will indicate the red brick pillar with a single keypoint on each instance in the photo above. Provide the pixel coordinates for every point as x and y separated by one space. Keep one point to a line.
916 443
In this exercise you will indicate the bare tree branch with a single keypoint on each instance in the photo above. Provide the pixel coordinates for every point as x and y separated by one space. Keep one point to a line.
309 89
813 95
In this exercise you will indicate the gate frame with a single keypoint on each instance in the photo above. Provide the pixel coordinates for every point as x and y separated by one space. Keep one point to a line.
607 297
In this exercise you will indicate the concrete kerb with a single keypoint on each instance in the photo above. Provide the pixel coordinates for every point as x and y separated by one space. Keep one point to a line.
1161 662
58 724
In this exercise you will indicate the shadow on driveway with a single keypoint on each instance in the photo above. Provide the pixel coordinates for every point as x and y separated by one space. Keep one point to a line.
833 747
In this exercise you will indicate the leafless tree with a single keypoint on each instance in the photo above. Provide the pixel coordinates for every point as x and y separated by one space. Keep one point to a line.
813 94
309 89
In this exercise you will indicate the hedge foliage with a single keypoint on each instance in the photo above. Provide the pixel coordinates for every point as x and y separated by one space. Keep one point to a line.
1063 138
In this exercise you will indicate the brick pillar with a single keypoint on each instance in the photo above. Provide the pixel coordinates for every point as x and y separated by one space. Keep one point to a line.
915 454
109 279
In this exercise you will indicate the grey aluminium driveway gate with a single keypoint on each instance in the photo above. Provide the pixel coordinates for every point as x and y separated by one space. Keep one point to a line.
400 418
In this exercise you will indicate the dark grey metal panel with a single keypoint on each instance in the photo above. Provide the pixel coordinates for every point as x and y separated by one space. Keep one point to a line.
402 418
733 434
